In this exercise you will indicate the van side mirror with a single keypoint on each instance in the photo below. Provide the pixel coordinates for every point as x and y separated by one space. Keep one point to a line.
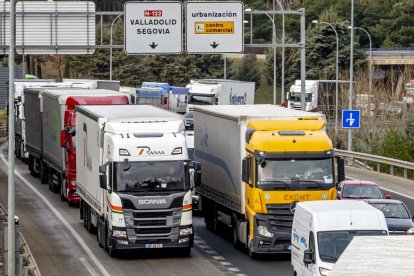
63 138
308 256
245 169
341 168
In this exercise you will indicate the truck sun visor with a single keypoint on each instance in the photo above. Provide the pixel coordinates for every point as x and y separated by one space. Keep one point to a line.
148 135
291 133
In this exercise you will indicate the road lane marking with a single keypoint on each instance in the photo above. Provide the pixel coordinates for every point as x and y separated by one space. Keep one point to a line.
88 267
220 260
389 190
78 238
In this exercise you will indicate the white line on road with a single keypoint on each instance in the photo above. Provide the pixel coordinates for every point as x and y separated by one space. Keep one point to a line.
78 238
88 266
389 190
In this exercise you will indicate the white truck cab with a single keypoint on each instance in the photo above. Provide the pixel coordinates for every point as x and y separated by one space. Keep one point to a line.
323 229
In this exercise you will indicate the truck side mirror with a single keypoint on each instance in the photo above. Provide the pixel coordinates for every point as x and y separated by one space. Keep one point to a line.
63 138
341 168
308 256
103 181
338 194
245 169
197 174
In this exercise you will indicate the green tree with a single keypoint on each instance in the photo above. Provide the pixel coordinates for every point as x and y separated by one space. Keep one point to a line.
248 70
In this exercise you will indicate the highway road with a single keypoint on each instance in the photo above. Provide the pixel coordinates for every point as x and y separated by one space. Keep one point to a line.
62 246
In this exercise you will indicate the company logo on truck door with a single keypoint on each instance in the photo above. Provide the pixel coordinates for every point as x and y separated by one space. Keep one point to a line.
152 201
234 99
147 150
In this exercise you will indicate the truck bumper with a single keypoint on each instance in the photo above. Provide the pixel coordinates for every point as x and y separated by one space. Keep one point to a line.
124 244
279 242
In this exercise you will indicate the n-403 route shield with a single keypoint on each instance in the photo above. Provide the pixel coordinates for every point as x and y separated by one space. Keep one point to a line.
214 27
153 28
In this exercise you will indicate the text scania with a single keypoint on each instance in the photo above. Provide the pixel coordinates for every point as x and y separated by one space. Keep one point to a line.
153 26
152 201
234 99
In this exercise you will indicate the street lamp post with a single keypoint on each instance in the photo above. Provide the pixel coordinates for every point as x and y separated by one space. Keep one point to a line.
337 58
370 64
274 56
110 49
283 53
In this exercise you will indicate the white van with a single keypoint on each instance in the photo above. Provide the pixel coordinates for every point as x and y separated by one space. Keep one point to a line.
323 229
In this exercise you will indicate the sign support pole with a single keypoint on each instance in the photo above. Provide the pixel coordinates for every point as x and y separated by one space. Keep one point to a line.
11 188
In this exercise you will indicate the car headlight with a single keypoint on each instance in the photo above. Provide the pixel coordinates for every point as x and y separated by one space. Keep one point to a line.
262 230
324 271
186 231
119 234
410 231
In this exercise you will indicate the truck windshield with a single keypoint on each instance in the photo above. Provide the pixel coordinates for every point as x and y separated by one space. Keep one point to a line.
201 100
150 176
293 172
296 96
331 244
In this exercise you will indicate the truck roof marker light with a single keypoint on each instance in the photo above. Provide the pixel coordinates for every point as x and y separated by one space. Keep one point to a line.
177 151
124 152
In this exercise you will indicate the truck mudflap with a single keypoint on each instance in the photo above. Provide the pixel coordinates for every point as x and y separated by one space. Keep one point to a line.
270 237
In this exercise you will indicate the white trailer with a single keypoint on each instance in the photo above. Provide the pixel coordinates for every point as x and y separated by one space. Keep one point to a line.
220 92
372 256
132 177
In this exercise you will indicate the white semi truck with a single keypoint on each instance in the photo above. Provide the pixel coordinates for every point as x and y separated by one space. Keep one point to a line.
132 177
219 92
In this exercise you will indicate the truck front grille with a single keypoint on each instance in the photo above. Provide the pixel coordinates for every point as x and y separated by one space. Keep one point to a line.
280 217
146 226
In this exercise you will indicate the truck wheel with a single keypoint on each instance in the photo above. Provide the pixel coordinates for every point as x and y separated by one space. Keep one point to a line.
99 234
81 209
89 226
50 182
235 239
185 252
63 192
43 173
56 186
112 252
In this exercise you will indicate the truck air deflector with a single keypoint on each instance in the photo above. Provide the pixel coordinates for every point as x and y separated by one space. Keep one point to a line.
291 133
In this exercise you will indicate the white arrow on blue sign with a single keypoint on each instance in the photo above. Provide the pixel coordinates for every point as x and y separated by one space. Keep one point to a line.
351 119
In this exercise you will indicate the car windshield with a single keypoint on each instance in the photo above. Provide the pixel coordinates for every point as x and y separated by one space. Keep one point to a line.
189 115
331 244
201 100
296 96
296 171
190 154
392 210
361 191
150 176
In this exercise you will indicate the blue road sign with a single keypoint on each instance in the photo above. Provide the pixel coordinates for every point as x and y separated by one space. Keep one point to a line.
351 119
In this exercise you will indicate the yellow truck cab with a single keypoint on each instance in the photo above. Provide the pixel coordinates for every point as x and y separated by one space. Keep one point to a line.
257 162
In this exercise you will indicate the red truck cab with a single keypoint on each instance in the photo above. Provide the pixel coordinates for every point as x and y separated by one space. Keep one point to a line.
67 140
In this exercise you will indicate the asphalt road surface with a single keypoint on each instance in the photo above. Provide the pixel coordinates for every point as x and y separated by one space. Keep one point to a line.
61 245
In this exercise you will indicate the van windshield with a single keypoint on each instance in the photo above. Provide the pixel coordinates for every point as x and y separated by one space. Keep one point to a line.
296 96
331 244
201 99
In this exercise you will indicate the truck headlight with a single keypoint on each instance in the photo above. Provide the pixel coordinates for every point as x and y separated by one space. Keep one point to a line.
324 271
186 231
119 234
262 230
410 231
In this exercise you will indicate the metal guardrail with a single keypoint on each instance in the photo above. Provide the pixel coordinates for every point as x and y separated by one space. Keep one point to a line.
364 157
28 265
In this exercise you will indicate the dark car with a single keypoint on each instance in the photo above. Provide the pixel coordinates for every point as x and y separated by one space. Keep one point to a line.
397 215
189 120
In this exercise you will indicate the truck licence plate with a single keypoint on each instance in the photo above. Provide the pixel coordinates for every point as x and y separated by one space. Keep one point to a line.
156 245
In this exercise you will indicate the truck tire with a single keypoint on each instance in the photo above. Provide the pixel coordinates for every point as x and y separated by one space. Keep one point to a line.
81 209
185 252
43 173
112 252
89 226
235 227
63 196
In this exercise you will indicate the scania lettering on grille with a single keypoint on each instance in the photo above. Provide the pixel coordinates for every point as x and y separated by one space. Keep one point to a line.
147 150
152 201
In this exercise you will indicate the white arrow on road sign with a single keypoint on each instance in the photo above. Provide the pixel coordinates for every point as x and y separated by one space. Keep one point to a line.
350 120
